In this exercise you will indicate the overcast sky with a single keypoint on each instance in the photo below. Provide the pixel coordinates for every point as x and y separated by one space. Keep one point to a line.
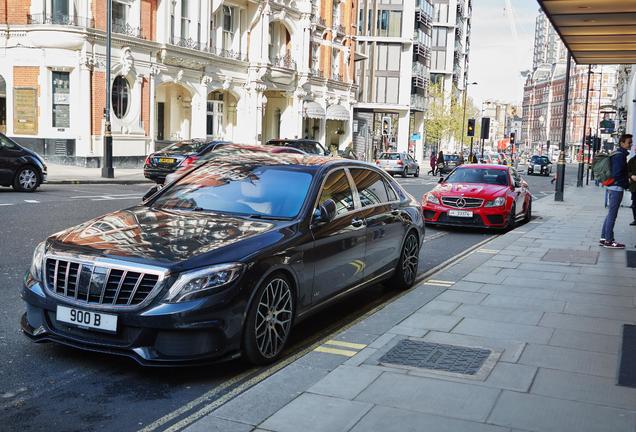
496 58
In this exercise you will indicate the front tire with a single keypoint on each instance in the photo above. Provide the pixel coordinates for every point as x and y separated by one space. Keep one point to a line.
269 321
417 173
512 219
26 179
528 215
406 270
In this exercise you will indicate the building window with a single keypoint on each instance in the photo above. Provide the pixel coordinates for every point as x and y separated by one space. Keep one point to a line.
228 26
119 16
389 23
215 118
185 20
61 99
335 19
121 96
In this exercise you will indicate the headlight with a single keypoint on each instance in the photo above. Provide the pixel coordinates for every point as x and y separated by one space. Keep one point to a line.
36 262
497 202
195 284
432 198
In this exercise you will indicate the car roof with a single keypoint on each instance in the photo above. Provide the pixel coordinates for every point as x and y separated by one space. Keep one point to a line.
483 166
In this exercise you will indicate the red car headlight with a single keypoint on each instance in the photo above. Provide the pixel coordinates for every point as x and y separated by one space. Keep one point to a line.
429 197
497 202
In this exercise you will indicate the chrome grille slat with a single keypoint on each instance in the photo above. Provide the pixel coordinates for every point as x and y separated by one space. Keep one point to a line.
121 282
103 285
134 291
470 202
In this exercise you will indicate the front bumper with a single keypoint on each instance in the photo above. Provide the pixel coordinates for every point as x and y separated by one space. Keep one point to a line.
194 332
483 217
541 171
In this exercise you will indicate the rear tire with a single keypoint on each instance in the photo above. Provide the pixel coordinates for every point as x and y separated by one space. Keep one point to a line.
417 173
269 320
26 179
405 173
406 270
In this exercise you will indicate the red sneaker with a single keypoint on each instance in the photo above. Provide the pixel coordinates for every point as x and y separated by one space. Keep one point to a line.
613 245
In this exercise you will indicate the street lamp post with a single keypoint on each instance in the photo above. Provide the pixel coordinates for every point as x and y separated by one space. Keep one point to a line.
560 177
579 179
464 117
107 159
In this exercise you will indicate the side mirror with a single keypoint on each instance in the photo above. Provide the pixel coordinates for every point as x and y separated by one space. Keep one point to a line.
441 180
327 212
153 190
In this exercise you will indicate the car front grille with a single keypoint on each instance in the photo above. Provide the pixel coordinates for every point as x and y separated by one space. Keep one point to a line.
462 203
96 285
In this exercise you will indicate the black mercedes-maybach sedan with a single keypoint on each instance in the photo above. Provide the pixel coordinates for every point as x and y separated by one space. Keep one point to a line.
224 261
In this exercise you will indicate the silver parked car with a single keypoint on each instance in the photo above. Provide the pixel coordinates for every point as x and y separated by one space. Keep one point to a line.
398 163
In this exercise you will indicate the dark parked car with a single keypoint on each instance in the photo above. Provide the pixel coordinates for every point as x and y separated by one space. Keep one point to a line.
21 168
539 165
450 163
224 261
182 154
308 146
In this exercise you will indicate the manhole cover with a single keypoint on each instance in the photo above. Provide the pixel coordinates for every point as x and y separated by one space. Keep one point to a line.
570 256
439 357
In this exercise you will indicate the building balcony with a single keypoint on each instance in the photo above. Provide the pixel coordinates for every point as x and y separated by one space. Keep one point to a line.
459 33
418 102
421 53
60 19
187 43
285 61
121 27
192 44
460 9
419 85
423 20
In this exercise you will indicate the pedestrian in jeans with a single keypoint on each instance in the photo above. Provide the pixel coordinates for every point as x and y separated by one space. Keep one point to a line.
631 170
618 163
433 162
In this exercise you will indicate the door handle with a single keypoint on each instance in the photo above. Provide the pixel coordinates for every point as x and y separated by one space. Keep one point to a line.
357 223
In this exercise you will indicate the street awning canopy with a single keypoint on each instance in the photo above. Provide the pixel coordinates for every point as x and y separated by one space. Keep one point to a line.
337 112
595 31
313 110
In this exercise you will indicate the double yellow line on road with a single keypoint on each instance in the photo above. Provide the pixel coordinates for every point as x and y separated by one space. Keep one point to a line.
439 283
351 348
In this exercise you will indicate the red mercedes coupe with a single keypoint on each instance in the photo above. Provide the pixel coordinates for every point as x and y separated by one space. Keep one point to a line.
482 196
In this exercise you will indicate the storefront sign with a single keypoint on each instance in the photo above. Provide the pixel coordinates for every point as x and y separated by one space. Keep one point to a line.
25 111
416 136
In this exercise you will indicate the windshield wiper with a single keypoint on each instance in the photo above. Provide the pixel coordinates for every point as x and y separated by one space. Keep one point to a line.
266 217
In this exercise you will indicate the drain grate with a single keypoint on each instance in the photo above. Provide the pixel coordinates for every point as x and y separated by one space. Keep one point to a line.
439 357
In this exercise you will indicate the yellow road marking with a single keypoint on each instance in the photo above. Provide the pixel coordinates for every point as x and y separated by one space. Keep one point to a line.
356 346
488 251
438 284
336 351
440 281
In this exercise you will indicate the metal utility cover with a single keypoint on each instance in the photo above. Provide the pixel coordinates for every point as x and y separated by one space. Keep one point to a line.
438 357
571 256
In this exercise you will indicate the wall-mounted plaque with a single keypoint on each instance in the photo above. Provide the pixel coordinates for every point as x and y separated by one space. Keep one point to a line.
25 111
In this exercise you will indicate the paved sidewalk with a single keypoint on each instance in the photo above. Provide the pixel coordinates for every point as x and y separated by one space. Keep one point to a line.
70 174
545 300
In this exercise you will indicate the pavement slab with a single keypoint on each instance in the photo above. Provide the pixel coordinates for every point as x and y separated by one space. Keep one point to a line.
493 329
542 414
317 413
586 341
345 382
567 359
433 396
585 324
490 313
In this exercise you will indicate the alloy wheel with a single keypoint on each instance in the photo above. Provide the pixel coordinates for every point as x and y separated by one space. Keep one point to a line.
410 260
28 179
273 317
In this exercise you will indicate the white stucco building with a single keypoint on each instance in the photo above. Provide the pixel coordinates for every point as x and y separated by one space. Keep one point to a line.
240 70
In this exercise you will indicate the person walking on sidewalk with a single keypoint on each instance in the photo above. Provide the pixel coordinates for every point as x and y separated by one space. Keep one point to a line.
631 170
440 162
618 163
433 163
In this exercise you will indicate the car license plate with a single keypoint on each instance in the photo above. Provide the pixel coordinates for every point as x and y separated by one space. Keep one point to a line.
537 167
167 160
460 213
87 319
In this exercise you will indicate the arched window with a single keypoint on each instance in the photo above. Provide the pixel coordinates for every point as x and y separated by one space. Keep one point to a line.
120 97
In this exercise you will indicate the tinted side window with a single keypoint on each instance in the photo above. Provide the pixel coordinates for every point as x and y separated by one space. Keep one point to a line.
391 192
6 144
371 187
337 188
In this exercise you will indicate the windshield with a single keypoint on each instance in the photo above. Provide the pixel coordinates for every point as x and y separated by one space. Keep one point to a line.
479 175
250 190
390 156
187 147
541 160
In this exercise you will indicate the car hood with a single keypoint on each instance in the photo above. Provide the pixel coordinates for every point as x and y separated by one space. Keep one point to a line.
475 190
35 155
168 238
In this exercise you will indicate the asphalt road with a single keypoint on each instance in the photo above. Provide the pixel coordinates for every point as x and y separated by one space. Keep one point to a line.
49 387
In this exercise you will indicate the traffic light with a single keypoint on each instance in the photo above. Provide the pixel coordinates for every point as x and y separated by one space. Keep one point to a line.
512 139
471 128
386 126
485 127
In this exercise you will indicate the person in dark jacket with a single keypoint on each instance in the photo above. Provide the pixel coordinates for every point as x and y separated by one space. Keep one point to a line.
433 162
631 171
618 162
440 162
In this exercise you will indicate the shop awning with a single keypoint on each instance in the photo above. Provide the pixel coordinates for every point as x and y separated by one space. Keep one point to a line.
337 112
595 31
313 110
